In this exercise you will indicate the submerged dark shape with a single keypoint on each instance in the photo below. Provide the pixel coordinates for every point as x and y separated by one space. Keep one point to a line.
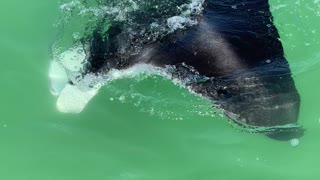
236 52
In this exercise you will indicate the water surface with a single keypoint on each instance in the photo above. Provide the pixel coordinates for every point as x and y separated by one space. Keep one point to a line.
133 130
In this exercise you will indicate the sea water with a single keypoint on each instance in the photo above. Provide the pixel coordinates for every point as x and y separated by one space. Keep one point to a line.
144 127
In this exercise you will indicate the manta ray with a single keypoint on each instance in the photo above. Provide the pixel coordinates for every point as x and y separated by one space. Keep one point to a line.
230 53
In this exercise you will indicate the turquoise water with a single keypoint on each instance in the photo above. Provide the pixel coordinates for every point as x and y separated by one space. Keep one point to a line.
133 130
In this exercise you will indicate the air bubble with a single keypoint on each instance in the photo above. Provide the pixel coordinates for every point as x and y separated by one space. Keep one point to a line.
294 142
122 98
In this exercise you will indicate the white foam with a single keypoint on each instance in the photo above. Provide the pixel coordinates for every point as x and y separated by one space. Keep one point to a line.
278 7
178 22
70 5
134 71
73 59
195 7
294 142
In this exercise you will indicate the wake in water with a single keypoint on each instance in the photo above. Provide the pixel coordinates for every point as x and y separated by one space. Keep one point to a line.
133 23
209 47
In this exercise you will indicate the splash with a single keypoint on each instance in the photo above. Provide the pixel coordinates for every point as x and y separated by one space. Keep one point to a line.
146 20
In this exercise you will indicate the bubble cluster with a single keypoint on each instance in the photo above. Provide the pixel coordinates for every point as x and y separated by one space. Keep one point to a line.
140 21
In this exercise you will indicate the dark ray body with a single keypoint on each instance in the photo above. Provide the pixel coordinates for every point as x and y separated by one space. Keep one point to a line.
236 47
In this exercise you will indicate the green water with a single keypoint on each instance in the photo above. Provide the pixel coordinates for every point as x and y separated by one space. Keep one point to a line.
166 135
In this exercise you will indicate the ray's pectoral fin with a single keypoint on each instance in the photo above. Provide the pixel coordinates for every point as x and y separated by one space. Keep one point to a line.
263 100
71 98
250 78
74 100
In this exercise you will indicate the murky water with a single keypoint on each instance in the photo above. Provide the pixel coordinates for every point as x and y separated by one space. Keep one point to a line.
144 127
